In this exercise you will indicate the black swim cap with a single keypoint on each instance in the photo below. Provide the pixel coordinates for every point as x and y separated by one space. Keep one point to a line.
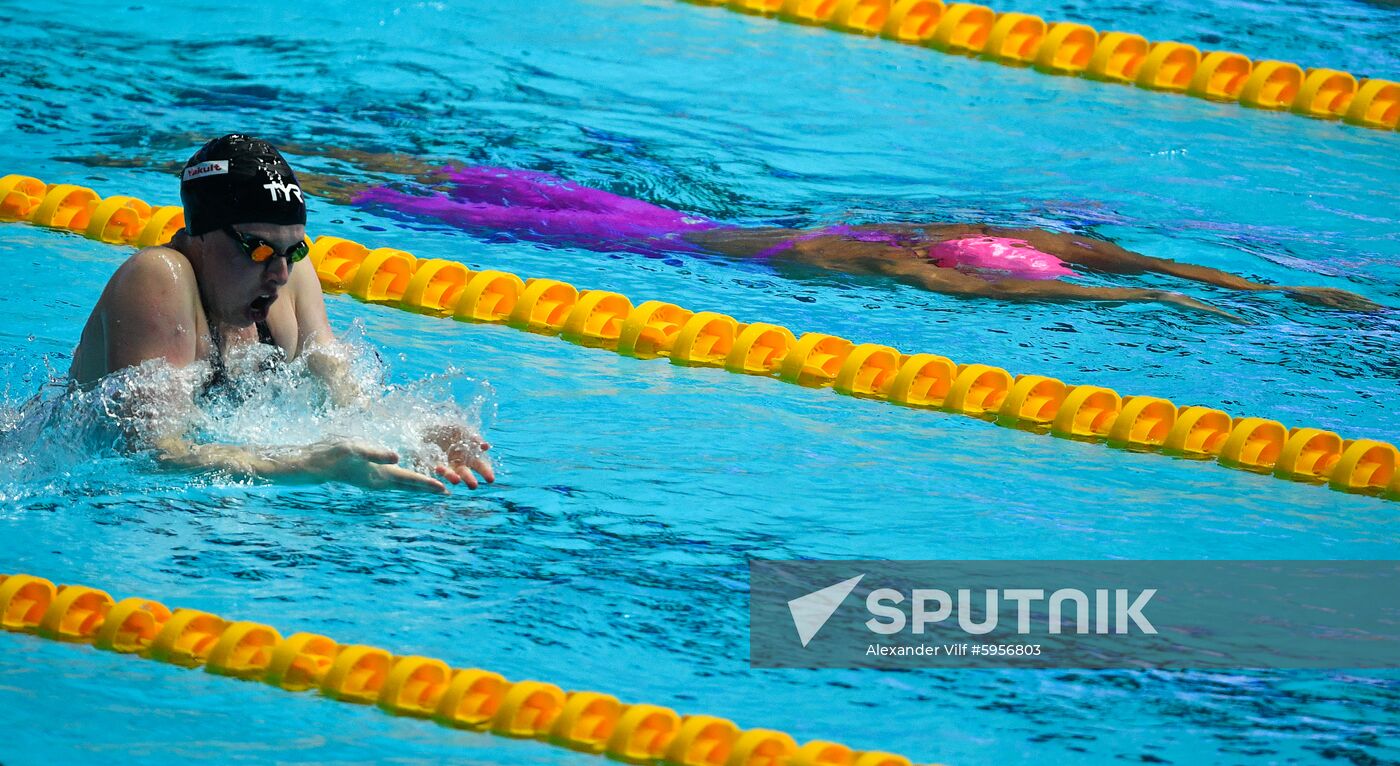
239 179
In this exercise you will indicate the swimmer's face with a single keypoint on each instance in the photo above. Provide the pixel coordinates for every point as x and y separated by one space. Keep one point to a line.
246 289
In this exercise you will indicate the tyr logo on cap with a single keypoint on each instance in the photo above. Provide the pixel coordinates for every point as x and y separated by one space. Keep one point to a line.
210 168
278 189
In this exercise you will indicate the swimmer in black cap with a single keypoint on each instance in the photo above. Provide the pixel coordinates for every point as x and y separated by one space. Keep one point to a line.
228 279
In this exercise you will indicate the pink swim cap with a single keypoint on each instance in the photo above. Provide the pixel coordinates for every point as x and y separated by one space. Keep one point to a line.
1014 257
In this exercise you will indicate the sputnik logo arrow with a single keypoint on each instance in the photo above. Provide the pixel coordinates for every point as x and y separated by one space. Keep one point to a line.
810 612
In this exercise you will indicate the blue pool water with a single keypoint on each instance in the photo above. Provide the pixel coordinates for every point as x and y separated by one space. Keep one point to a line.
611 555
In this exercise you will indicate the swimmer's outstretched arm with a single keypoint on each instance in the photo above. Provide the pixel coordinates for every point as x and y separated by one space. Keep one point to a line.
349 461
954 282
1100 255
352 462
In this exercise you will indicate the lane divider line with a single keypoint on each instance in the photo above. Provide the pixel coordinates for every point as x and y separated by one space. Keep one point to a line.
1078 50
405 685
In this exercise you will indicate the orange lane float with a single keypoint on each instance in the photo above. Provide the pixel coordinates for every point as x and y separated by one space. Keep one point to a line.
912 21
1221 76
1067 49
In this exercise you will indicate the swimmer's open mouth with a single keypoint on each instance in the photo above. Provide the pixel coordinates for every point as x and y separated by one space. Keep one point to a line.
257 310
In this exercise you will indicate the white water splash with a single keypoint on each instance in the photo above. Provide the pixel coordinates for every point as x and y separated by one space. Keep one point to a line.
64 437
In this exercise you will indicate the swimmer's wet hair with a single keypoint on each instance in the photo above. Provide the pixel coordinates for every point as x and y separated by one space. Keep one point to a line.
239 179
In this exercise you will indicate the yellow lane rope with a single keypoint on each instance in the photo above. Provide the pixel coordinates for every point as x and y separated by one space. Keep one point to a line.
406 685
1078 50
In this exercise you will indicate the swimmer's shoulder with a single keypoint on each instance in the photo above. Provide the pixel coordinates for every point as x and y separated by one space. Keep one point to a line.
152 310
153 274
157 261
154 288
150 307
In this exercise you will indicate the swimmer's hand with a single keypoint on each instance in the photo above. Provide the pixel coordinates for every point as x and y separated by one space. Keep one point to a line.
465 453
358 463
1332 298
1187 302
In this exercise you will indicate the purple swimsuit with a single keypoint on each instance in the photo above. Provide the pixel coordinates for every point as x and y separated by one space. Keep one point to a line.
542 208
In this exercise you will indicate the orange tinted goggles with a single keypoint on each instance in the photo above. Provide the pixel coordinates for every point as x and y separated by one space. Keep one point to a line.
260 250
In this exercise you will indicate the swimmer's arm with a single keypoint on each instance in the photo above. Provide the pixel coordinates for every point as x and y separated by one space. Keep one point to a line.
158 408
178 452
149 313
1025 289
377 162
357 463
1109 257
161 415
954 282
1330 297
